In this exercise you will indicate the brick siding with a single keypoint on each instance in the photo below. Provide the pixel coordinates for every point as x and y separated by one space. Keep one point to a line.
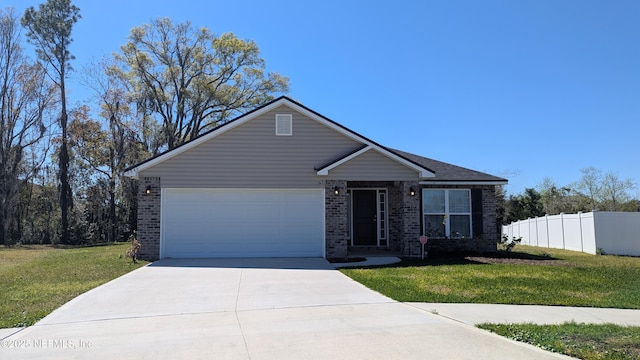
336 219
149 218
489 240
410 216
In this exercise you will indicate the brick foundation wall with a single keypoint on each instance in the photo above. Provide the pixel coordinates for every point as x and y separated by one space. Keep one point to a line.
336 219
149 218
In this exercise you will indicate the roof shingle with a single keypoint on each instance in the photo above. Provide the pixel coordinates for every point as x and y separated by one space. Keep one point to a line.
448 172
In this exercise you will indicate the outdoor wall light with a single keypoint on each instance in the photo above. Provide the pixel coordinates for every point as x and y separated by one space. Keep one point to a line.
336 190
412 191
148 190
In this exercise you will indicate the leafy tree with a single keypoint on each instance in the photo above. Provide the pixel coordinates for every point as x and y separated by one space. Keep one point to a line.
524 206
25 96
558 199
49 30
192 80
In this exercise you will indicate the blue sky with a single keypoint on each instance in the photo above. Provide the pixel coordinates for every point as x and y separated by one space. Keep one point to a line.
524 89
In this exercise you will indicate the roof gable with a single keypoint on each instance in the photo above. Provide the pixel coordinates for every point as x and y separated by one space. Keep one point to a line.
422 171
369 164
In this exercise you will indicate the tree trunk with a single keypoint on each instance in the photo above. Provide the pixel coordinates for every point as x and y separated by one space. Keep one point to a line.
64 192
4 227
112 210
66 200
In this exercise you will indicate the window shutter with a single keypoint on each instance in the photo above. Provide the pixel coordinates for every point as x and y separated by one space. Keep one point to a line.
476 212
284 126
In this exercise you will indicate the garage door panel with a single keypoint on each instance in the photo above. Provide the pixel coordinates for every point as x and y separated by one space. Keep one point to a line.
242 223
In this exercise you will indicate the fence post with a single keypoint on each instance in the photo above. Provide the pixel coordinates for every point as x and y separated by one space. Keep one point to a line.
564 246
546 222
537 233
581 237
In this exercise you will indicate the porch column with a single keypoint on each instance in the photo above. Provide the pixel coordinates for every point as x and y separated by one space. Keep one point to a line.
148 233
336 219
410 215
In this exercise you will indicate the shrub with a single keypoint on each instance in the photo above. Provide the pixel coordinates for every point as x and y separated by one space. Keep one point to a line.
507 244
132 251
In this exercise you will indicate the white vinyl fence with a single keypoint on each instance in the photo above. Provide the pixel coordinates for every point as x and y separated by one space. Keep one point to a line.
615 233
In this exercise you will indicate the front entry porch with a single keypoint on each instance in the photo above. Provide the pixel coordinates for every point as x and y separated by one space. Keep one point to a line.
378 217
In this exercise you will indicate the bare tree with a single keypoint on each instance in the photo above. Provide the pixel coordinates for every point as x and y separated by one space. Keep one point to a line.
110 143
604 192
49 29
25 95
615 191
590 186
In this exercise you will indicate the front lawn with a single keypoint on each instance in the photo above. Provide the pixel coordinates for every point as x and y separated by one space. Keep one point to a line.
36 280
528 276
588 342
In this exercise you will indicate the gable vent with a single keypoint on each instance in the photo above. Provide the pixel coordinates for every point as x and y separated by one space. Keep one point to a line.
284 126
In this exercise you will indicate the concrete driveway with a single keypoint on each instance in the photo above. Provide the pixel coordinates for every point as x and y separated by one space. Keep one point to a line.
250 309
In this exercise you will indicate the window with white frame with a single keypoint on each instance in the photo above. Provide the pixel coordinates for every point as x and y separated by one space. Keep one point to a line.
447 213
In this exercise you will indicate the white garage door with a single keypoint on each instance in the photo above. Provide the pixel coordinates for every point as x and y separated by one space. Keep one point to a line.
201 223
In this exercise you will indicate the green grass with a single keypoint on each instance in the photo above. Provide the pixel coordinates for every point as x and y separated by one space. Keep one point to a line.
555 277
589 342
558 278
36 280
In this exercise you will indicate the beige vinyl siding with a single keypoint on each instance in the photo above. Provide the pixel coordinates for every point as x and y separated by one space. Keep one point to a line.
251 155
372 166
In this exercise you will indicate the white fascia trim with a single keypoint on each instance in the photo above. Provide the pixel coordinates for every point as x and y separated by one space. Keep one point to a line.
325 171
463 182
168 155
424 173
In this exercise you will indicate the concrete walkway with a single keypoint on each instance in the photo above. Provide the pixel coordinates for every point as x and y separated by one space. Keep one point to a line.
250 309
473 314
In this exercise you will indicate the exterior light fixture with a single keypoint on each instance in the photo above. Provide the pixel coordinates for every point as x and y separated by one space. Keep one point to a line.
336 190
412 191
148 190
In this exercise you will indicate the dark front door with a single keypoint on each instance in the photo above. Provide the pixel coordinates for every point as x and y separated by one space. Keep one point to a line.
365 222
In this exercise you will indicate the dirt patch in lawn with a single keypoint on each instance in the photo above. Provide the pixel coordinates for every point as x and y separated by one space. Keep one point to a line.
516 258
